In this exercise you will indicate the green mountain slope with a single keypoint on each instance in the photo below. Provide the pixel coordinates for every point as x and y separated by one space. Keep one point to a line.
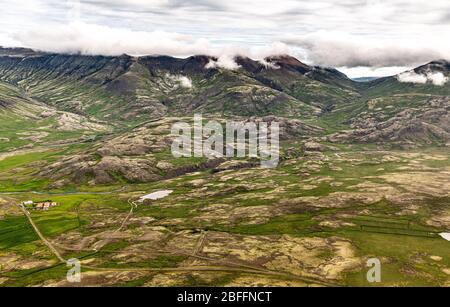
138 89
392 86
398 110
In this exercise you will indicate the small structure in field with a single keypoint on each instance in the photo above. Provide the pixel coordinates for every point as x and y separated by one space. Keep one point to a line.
45 206
155 196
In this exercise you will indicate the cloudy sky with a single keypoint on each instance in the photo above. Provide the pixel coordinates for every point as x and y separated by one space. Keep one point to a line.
360 37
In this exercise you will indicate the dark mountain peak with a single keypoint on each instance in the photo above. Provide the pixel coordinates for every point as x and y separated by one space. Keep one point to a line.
125 56
435 66
330 71
440 62
161 62
193 64
289 62
249 64
18 52
197 63
285 60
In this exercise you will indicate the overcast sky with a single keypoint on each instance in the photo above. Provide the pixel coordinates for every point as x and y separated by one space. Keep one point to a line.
360 37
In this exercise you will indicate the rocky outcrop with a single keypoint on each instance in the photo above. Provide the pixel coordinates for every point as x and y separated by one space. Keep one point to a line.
82 169
427 124
289 128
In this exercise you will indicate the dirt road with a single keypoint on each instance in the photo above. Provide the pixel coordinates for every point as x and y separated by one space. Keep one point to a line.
41 236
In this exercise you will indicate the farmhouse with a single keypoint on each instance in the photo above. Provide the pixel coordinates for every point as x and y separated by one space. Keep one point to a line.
45 206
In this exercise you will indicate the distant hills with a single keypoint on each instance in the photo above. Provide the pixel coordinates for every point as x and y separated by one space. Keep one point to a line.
364 79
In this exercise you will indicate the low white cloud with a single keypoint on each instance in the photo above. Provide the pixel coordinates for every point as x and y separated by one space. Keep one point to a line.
412 77
339 49
376 72
6 41
185 82
91 39
180 81
378 33
226 55
226 61
268 65
276 48
436 78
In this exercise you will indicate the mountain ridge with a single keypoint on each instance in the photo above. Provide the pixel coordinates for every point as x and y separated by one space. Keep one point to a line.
141 82
126 91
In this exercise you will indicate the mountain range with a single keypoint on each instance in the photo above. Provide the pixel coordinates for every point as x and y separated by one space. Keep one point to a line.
134 89
48 98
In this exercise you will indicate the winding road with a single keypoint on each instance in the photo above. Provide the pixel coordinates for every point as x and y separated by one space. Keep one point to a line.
133 206
224 266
